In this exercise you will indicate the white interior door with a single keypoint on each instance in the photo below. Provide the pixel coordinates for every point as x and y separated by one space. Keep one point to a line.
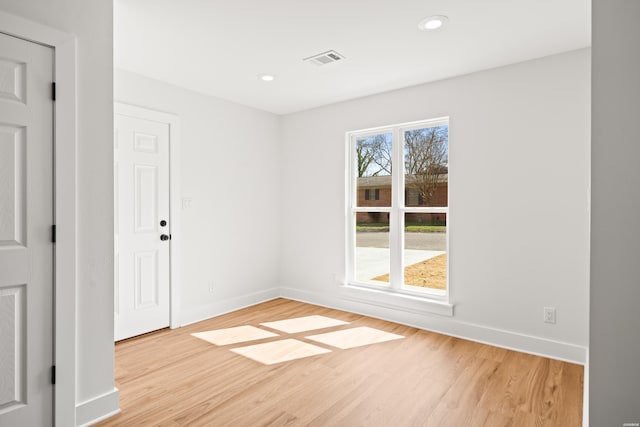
26 248
142 226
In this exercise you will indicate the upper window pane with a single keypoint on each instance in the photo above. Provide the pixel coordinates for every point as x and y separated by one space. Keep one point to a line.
426 164
373 167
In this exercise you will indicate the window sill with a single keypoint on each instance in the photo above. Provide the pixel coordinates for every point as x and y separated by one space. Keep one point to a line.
396 300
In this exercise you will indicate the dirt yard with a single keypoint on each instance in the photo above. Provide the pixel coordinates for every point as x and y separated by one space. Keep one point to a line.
431 273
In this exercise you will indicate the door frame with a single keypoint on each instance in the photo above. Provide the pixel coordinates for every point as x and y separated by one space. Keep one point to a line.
65 201
175 200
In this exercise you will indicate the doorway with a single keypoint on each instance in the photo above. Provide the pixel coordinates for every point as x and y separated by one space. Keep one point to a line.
146 221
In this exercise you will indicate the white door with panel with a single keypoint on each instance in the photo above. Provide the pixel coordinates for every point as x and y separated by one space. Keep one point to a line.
26 248
142 226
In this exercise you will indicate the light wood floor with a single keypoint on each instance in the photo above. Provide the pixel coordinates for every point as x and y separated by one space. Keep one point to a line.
170 378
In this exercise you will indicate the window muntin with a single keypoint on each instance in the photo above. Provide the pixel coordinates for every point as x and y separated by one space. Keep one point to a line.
414 203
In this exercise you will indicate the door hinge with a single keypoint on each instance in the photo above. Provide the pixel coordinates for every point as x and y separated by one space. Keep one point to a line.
53 233
53 374
53 91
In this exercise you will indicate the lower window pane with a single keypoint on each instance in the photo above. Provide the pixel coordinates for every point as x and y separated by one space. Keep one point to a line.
425 251
372 258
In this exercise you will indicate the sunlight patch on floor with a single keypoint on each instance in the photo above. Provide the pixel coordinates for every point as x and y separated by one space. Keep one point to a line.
234 335
279 351
303 324
286 349
354 337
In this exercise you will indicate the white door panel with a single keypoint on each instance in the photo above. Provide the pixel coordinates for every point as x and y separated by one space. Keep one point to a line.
142 201
26 250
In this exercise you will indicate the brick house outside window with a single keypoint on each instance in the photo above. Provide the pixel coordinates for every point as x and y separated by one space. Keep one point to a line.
376 191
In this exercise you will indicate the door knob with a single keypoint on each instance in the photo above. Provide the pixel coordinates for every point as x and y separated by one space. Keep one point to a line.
164 237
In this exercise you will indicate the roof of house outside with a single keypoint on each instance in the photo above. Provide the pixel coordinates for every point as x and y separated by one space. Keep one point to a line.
385 180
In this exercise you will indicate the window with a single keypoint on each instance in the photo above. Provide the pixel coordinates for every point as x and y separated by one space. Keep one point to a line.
372 194
413 197
399 207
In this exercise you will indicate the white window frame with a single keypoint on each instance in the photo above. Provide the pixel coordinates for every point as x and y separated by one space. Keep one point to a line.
396 212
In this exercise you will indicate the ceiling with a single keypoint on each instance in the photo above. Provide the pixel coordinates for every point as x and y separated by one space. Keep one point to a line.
221 47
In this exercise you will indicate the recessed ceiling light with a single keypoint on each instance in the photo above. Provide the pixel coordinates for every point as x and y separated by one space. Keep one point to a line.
267 78
431 23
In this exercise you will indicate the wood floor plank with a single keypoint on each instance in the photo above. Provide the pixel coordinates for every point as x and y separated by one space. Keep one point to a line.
171 378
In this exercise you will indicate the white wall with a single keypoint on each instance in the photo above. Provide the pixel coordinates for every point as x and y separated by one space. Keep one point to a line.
519 155
230 169
614 371
91 22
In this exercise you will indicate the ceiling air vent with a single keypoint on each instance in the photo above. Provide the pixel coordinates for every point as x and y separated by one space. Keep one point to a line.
325 58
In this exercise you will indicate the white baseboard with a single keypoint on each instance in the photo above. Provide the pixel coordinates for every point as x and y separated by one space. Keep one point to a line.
226 306
448 326
97 409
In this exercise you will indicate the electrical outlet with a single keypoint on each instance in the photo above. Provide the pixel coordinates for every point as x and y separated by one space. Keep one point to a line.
211 288
549 315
